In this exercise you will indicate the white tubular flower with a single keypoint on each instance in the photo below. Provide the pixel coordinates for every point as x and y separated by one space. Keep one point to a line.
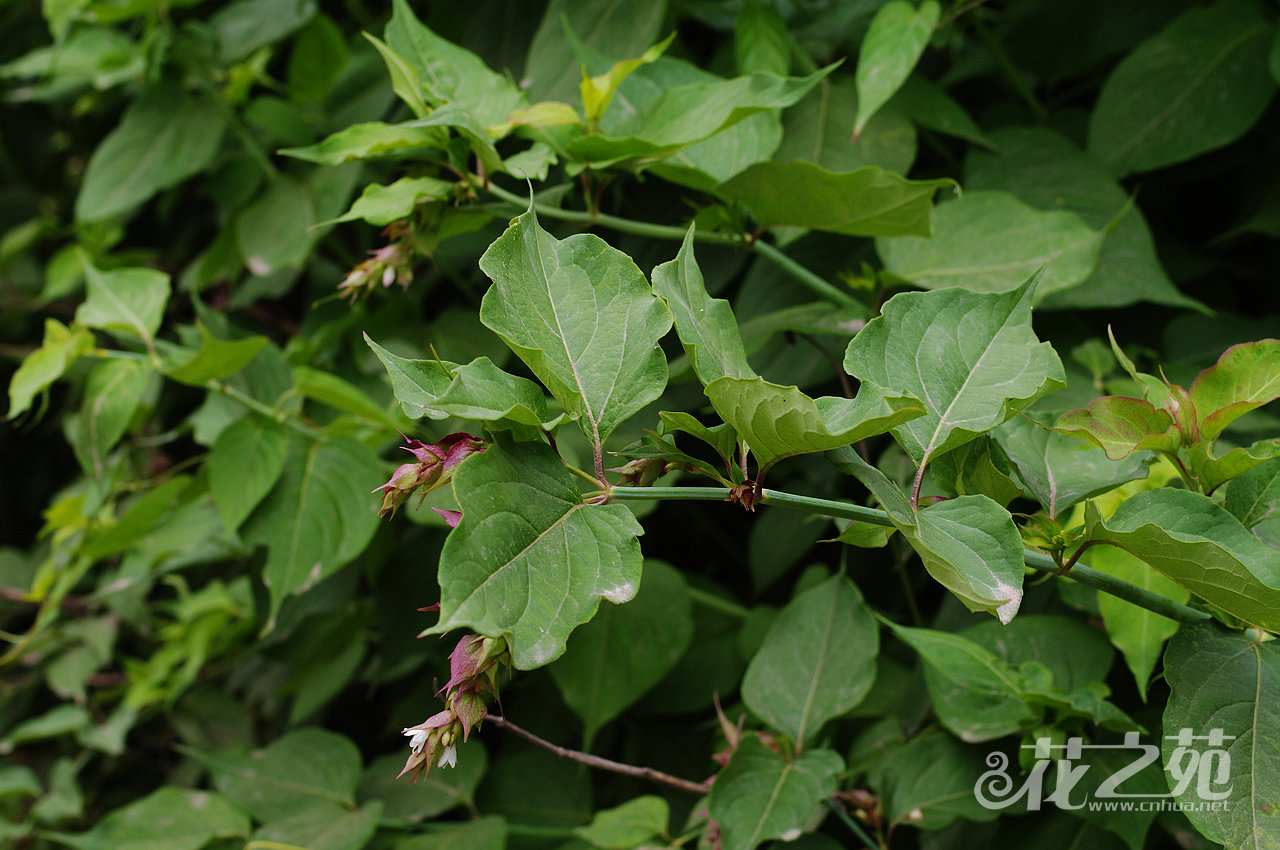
449 758
417 738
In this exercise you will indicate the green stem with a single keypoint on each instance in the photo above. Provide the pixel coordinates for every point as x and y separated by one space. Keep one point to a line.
852 824
1039 561
665 231
274 414
718 603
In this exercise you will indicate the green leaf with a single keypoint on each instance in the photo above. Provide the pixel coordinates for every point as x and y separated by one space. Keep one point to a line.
129 301
972 358
318 516
598 91
1139 634
1195 542
969 544
893 45
62 346
1060 470
111 396
1049 172
290 776
244 464
928 783
321 826
1120 426
481 391
380 205
928 105
1254 497
1244 378
274 232
866 202
707 328
760 40
529 559
992 242
581 316
683 115
246 25
1224 680
172 818
819 129
621 28
625 650
762 795
633 823
451 74
817 662
370 140
722 437
779 422
416 383
317 60
434 794
1199 84
215 359
165 136
978 468
327 388
1211 472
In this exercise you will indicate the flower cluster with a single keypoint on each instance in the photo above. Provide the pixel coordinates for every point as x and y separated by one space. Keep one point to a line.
473 672
392 263
433 466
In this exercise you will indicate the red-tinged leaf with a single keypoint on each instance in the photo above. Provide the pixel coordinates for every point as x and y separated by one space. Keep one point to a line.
1245 377
1120 426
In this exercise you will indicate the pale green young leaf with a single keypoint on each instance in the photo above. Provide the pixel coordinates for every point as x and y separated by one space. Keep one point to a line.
582 317
112 394
597 91
706 326
1197 543
893 45
1226 680
682 115
62 346
530 560
625 650
318 517
173 818
244 464
129 300
405 80
1199 84
992 242
777 422
817 661
971 358
866 202
416 383
371 140
1060 470
571 28
762 795
165 136
380 205
1139 634
214 359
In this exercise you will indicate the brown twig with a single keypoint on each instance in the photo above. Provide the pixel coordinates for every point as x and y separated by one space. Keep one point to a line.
597 762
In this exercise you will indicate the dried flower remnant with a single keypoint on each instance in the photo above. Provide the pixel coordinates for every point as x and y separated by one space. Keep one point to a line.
392 263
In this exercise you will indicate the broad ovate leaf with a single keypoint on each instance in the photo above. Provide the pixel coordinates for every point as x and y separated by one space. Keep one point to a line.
893 45
762 795
706 326
777 422
867 201
172 818
1228 681
582 317
992 242
1245 377
416 383
1200 545
969 544
817 661
1120 426
318 516
1199 84
128 300
971 358
214 359
530 560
